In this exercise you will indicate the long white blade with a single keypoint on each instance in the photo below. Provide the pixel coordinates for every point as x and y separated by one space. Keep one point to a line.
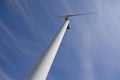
76 15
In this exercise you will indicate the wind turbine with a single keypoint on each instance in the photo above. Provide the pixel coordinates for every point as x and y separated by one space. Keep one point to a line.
42 67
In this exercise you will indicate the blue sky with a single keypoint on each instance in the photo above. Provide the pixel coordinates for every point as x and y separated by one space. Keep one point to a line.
89 50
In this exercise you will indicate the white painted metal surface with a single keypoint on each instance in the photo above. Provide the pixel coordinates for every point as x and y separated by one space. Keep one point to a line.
42 67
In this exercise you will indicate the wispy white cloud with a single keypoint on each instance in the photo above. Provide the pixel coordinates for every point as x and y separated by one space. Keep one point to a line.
6 60
24 9
2 25
3 76
27 11
10 35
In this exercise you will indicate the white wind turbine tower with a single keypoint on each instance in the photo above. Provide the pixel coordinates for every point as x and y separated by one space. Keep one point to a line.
42 67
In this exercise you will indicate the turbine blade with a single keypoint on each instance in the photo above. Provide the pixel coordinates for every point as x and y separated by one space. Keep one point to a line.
82 14
76 15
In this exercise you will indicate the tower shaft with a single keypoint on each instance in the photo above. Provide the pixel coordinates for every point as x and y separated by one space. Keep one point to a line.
42 67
